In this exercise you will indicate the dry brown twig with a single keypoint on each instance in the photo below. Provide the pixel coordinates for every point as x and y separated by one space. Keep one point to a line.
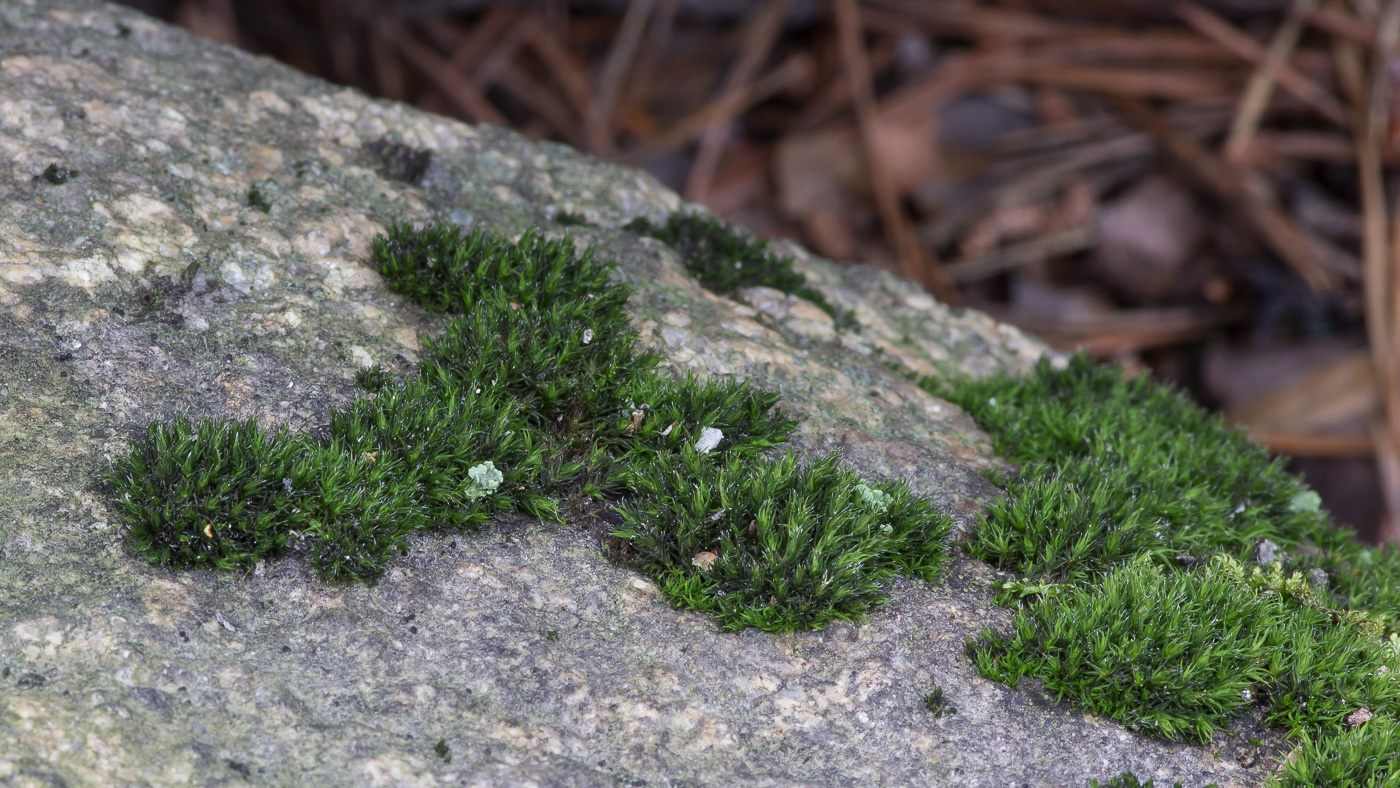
1383 259
1278 70
1231 185
758 40
796 68
614 72
460 90
914 260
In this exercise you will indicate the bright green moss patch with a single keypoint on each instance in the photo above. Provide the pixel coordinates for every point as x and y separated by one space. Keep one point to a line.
1178 653
1366 757
1134 522
1113 467
774 544
534 398
726 259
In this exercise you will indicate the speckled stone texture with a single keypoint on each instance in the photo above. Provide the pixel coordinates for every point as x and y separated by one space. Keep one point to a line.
532 657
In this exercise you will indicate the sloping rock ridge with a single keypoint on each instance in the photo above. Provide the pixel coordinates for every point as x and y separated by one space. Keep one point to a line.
186 228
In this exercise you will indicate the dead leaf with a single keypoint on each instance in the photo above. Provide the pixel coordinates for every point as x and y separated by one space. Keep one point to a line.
1147 236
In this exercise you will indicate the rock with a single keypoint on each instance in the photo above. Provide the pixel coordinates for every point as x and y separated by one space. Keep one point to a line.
208 254
1265 552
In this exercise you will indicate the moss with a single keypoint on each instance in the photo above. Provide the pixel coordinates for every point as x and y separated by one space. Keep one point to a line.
725 259
570 219
773 544
938 704
1132 524
1178 654
1112 467
535 397
157 301
399 161
1367 756
58 175
1129 780
257 200
206 495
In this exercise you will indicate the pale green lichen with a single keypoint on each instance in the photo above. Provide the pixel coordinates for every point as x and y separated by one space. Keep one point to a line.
876 499
484 480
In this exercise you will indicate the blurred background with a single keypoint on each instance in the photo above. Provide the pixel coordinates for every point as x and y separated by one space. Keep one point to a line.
1204 189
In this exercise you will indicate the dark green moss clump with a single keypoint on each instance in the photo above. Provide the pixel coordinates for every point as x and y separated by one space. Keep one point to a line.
58 175
938 704
399 161
1129 780
257 200
725 259
569 219
206 495
774 544
1133 523
535 397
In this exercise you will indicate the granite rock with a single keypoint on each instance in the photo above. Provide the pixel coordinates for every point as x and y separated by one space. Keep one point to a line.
207 254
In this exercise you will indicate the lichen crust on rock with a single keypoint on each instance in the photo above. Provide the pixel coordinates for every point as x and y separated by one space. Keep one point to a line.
209 253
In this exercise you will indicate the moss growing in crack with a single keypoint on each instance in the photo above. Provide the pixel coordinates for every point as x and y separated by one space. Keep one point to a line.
1133 522
257 200
443 751
535 391
58 175
1129 780
725 259
938 704
571 219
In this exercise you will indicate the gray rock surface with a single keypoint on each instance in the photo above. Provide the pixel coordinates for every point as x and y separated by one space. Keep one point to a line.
535 659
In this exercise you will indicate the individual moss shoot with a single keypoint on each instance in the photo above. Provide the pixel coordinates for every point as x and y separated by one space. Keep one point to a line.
1171 575
534 399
